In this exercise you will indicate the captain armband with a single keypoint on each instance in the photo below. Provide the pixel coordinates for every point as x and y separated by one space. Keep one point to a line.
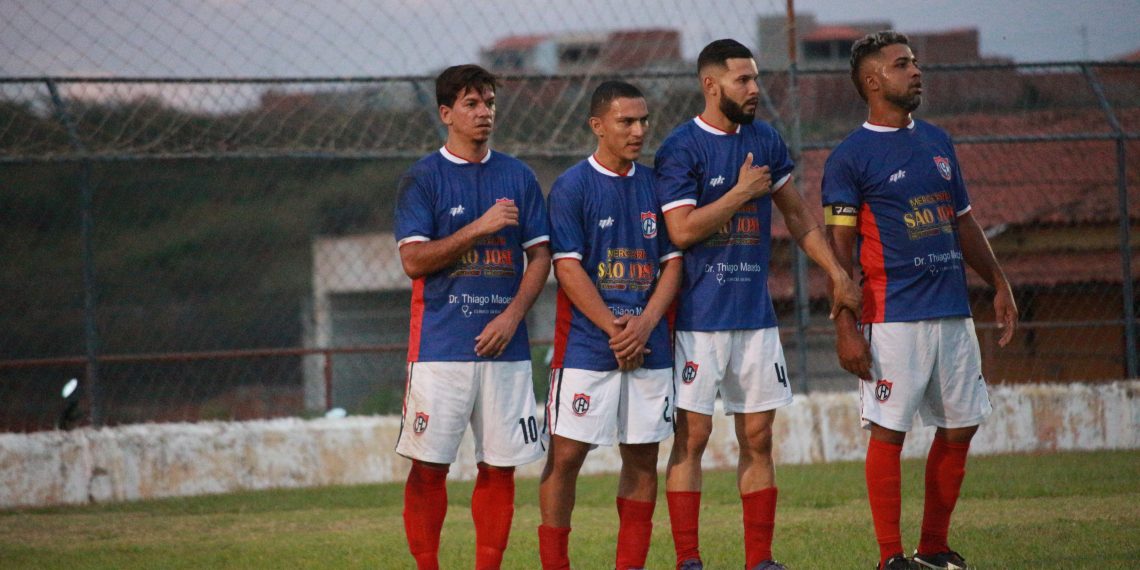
840 215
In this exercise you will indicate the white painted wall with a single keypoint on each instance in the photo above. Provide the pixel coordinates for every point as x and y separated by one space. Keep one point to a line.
166 460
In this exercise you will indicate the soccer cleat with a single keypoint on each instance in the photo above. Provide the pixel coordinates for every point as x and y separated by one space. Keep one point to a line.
897 562
691 564
949 560
769 565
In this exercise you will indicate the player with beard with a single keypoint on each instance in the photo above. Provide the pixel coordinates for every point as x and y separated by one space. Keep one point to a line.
893 192
718 176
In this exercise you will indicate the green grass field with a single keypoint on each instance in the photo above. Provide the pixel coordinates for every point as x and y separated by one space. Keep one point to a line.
1068 510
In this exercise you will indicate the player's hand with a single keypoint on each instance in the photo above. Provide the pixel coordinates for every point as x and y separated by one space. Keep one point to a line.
1005 311
854 352
630 341
754 181
495 336
497 217
846 295
628 364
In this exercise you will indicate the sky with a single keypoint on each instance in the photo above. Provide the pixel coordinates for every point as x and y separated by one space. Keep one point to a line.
273 38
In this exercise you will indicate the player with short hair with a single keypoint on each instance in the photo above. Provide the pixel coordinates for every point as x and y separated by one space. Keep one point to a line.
611 375
465 218
715 178
893 191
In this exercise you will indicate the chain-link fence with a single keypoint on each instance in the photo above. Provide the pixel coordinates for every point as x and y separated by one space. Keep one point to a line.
220 248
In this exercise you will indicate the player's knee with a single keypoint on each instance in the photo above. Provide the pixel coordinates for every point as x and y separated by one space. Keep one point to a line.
756 440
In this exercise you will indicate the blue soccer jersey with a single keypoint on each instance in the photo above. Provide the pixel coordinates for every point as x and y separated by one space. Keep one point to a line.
440 194
610 223
725 286
903 191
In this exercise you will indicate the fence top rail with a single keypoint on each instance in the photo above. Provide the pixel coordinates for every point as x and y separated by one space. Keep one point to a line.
979 66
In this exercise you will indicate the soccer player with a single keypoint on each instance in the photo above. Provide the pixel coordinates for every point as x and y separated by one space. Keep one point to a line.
717 178
893 190
611 377
465 217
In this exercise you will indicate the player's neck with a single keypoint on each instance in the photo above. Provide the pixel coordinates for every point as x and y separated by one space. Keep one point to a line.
887 115
713 117
612 162
467 149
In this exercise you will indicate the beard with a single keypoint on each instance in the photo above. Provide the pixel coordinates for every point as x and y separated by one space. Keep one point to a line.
735 112
906 101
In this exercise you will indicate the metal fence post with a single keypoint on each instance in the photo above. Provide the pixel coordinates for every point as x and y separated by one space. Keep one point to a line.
86 231
799 268
1127 293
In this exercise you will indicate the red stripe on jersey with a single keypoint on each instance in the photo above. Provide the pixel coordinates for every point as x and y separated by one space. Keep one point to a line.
417 321
874 268
562 317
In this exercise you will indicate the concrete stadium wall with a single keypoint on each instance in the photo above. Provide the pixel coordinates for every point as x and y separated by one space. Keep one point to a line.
169 460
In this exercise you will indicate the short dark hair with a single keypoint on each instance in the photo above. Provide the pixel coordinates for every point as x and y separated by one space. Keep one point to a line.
459 78
608 91
868 46
720 51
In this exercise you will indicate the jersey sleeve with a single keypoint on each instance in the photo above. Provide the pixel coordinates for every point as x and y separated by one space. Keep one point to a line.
780 162
961 196
536 223
676 172
414 210
567 236
666 249
839 192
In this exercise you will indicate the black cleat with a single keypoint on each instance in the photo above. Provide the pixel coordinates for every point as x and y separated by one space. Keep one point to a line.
948 560
897 562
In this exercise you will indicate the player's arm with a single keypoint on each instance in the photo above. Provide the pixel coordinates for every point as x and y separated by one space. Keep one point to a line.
424 257
581 291
845 293
495 337
980 256
852 349
630 342
688 225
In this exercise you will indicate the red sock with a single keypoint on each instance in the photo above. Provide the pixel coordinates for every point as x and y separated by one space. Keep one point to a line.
492 508
884 489
554 547
759 521
425 506
945 469
635 529
684 517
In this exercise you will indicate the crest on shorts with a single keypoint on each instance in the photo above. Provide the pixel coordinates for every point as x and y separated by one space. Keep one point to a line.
649 224
581 404
943 165
689 372
420 424
883 390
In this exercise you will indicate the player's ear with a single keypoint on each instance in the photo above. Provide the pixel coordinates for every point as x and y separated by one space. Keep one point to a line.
596 126
445 114
709 85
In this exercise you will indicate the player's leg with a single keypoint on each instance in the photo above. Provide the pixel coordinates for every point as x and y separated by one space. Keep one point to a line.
902 361
699 364
956 401
582 412
755 385
645 418
506 435
437 405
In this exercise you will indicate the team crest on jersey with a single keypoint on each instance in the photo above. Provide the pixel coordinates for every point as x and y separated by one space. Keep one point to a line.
943 164
420 424
581 404
649 224
689 372
883 390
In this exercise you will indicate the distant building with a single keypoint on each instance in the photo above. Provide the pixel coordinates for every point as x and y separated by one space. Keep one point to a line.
584 51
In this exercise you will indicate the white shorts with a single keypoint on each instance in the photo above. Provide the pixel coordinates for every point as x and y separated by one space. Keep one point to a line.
496 398
933 367
601 408
746 367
